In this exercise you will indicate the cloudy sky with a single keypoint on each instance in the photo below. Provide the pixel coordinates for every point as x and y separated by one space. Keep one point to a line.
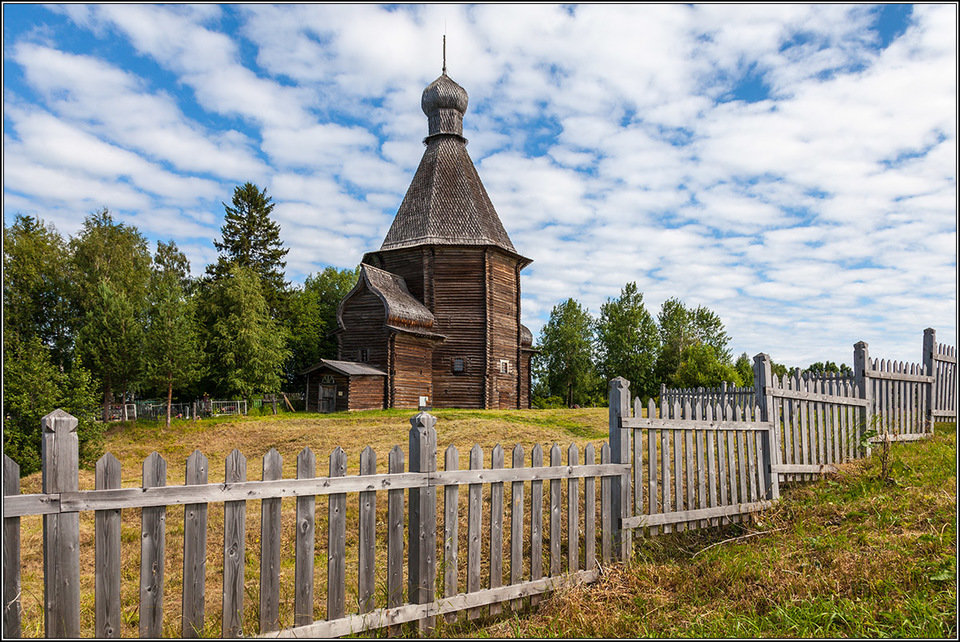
792 167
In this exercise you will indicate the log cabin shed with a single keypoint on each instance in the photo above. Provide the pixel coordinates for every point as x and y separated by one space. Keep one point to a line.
436 309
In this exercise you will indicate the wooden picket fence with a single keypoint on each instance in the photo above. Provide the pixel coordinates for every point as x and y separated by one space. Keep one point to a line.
683 466
412 536
722 395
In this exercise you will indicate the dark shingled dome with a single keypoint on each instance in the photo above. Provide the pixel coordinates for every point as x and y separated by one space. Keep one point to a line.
446 204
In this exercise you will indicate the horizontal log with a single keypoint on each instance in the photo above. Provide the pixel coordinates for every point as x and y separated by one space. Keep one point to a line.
120 498
900 376
660 519
815 396
693 424
410 612
804 468
38 504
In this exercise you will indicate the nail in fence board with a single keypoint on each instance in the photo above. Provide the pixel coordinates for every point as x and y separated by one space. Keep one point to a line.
306 543
451 499
536 522
590 512
555 491
496 527
107 556
474 510
366 556
516 524
234 538
152 548
395 524
270 521
336 540
573 516
194 550
11 554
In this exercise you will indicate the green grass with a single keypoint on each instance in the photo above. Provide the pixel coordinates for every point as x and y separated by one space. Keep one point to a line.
851 555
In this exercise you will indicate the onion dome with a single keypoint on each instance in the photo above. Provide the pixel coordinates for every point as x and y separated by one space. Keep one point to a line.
444 102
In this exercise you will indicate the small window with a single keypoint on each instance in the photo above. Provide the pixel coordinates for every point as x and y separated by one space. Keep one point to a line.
504 366
458 366
363 355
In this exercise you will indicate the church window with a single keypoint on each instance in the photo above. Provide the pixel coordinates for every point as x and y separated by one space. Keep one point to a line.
458 366
363 355
504 366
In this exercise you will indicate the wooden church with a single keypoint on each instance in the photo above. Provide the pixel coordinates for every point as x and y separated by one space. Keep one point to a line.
434 320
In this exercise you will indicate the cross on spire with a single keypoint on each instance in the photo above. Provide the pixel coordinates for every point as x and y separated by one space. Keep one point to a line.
444 53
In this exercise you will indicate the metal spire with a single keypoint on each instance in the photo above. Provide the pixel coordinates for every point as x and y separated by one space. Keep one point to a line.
444 53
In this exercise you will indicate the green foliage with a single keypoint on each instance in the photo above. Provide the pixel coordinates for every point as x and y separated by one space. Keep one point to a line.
33 386
36 286
174 358
700 365
564 365
312 317
821 368
627 342
681 327
744 368
251 239
246 347
112 268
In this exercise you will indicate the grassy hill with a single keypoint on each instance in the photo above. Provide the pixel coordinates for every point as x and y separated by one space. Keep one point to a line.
849 556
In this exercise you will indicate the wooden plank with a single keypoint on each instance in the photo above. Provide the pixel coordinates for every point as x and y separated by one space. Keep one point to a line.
640 521
701 473
742 465
801 395
637 462
234 539
61 533
107 623
652 471
732 466
722 466
395 527
474 511
194 552
516 523
270 539
366 554
685 424
555 491
712 477
413 612
75 501
152 549
676 473
11 553
573 514
496 528
821 426
903 376
336 541
590 513
606 528
32 504
451 500
536 521
305 544
691 473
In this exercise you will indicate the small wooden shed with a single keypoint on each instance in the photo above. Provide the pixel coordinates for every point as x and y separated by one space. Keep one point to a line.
333 386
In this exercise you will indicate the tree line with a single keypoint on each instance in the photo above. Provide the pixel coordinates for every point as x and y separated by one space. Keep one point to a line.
682 347
90 320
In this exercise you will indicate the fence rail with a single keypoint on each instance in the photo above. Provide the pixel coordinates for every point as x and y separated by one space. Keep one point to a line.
685 465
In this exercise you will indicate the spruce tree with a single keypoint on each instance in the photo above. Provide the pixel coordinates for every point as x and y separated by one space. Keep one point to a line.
252 239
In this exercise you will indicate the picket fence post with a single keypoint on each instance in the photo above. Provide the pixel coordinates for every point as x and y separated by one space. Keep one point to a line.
861 375
770 444
60 454
930 368
421 563
620 454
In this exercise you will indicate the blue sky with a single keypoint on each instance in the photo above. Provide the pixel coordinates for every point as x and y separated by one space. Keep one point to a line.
792 167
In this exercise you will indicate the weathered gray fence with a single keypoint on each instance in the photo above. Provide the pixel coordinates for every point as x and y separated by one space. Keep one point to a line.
529 546
722 395
821 420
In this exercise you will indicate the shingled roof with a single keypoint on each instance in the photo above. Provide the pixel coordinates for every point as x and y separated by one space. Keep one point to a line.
400 308
446 204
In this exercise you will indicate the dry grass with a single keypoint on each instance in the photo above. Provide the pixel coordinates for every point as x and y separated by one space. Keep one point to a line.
253 437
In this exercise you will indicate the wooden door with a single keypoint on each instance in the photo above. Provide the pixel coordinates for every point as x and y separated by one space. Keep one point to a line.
328 398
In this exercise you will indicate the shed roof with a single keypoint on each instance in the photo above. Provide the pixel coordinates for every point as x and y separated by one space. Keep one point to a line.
345 368
400 307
